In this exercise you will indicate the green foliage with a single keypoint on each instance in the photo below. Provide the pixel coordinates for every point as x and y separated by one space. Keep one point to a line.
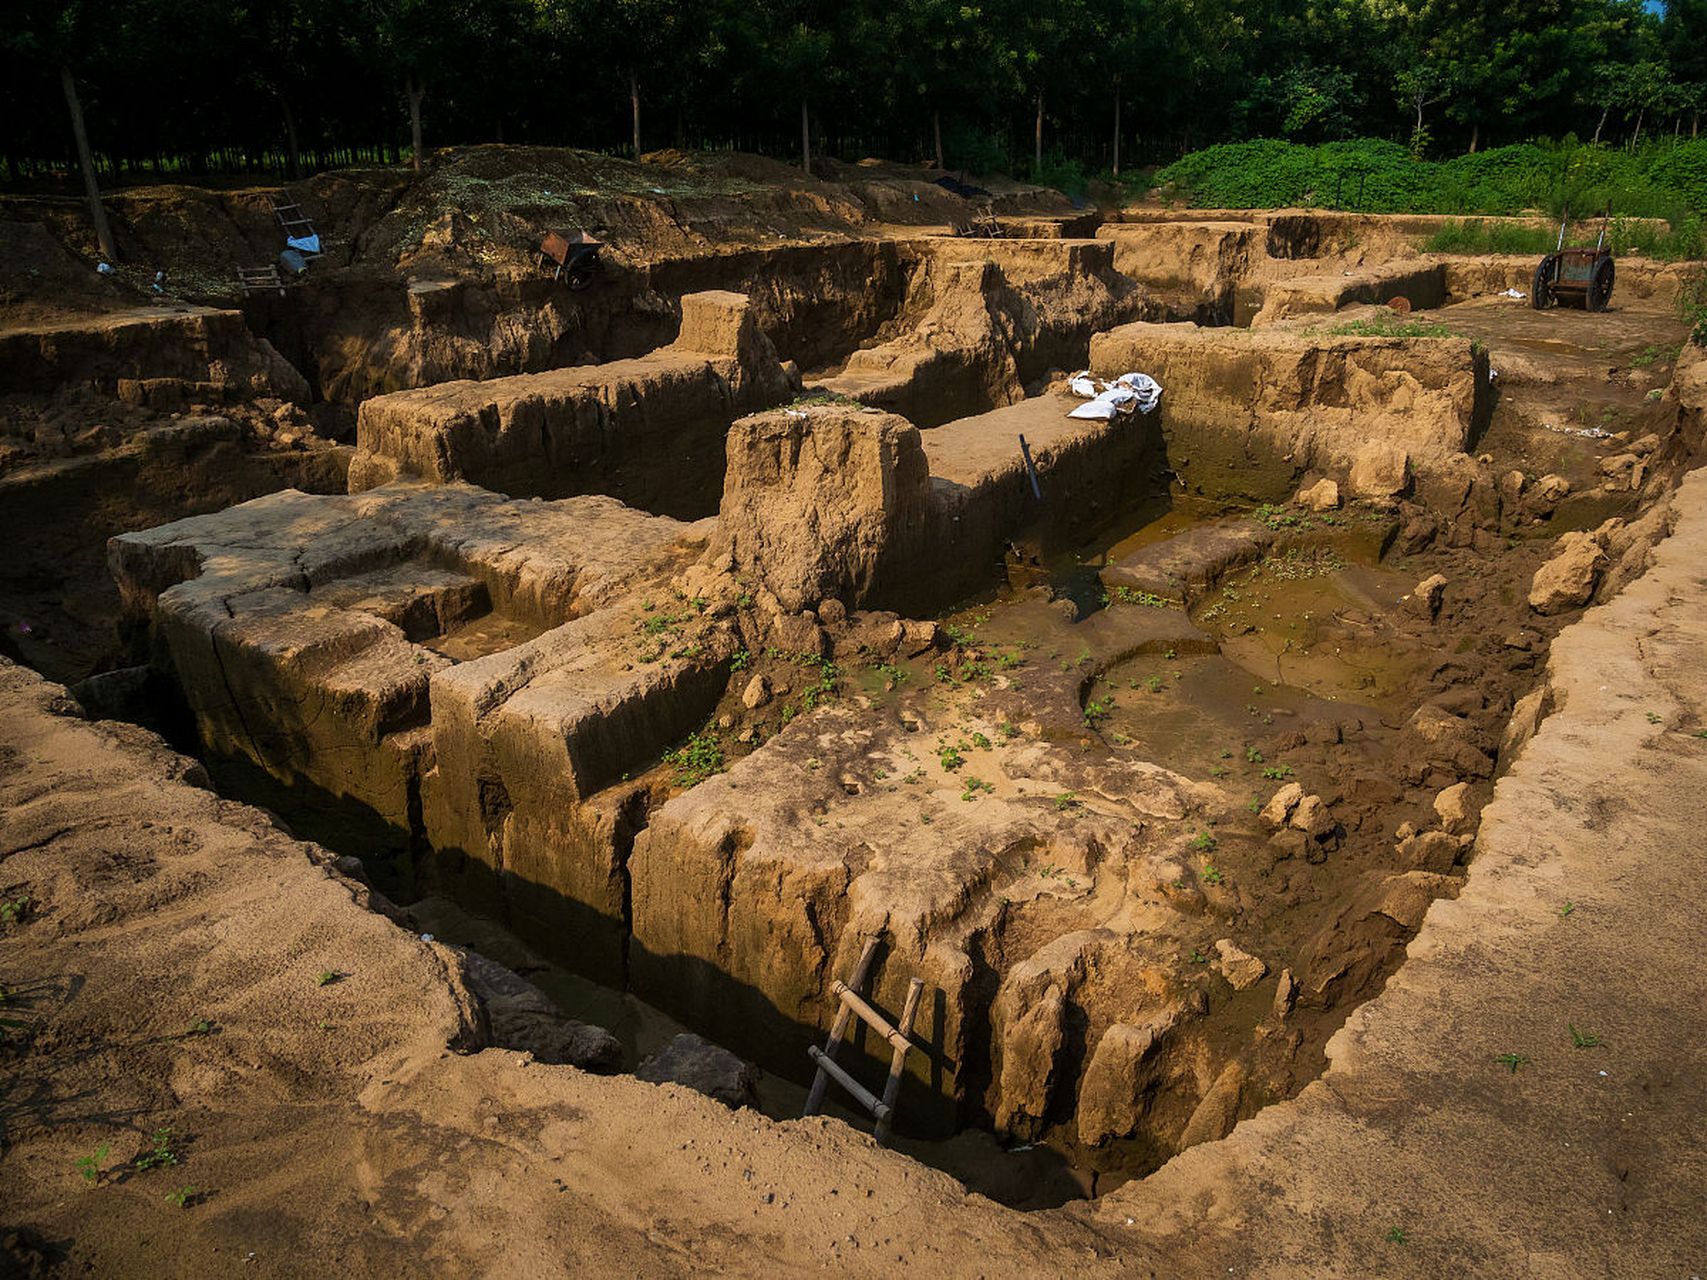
1511 1061
90 1166
973 786
1585 1040
12 910
697 759
159 1154
1663 179
1131 595
1692 307
183 1197
326 977
1385 327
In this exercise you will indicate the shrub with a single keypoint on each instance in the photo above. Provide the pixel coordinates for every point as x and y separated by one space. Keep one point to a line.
1665 179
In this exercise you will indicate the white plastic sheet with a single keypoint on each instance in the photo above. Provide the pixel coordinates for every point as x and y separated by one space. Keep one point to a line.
1129 393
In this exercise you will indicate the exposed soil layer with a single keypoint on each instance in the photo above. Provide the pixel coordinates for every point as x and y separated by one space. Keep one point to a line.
1146 744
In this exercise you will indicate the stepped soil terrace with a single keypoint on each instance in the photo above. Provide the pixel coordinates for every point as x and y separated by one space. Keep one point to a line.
654 647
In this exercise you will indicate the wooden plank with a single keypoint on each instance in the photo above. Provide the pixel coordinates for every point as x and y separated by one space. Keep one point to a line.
873 1019
892 1087
860 1094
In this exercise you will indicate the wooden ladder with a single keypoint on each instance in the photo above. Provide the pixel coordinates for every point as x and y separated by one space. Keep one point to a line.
260 280
882 1109
292 220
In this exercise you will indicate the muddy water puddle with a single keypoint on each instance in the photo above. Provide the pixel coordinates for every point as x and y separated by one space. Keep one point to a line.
492 632
1316 625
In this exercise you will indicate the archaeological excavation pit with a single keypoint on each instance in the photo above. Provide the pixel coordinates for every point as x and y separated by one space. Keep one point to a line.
671 653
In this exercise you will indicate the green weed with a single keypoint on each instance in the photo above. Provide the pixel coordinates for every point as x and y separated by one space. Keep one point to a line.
90 1166
697 759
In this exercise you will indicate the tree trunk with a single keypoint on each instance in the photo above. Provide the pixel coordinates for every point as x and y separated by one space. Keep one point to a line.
97 215
634 102
1475 136
416 93
1695 125
1117 128
1604 112
936 135
292 152
1037 141
805 139
1637 135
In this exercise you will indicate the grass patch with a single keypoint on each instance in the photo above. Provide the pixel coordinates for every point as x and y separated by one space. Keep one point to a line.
697 759
1394 328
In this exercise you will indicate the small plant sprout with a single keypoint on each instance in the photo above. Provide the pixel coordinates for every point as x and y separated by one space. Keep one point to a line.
1396 1235
326 977
159 1155
1567 908
1212 874
1512 1061
1253 756
200 1027
1203 842
90 1166
974 786
183 1197
1585 1040
1654 717
14 909
1065 801
1197 956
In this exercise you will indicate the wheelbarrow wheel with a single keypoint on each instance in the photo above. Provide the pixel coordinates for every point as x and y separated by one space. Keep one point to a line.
1600 286
1541 288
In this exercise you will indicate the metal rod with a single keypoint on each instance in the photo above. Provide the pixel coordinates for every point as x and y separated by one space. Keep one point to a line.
898 1063
860 1094
1031 469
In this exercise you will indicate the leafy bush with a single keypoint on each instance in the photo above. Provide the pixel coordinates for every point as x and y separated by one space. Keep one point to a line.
1692 306
1665 179
1064 174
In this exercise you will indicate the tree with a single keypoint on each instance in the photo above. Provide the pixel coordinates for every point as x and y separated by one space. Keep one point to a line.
423 43
64 36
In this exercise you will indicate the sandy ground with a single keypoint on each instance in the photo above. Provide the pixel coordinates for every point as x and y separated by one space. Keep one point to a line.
333 1128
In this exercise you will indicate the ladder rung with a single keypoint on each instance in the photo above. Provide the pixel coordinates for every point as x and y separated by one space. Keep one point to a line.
873 1019
865 1097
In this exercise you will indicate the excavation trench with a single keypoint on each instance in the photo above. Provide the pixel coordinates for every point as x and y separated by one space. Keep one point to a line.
1292 661
1156 799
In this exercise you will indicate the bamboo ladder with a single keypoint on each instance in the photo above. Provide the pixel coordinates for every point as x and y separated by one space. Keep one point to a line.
853 1004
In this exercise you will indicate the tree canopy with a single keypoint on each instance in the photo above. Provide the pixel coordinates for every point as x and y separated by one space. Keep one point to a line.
182 84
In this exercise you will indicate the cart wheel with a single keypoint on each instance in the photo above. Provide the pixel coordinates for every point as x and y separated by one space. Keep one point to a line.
1600 286
1541 288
